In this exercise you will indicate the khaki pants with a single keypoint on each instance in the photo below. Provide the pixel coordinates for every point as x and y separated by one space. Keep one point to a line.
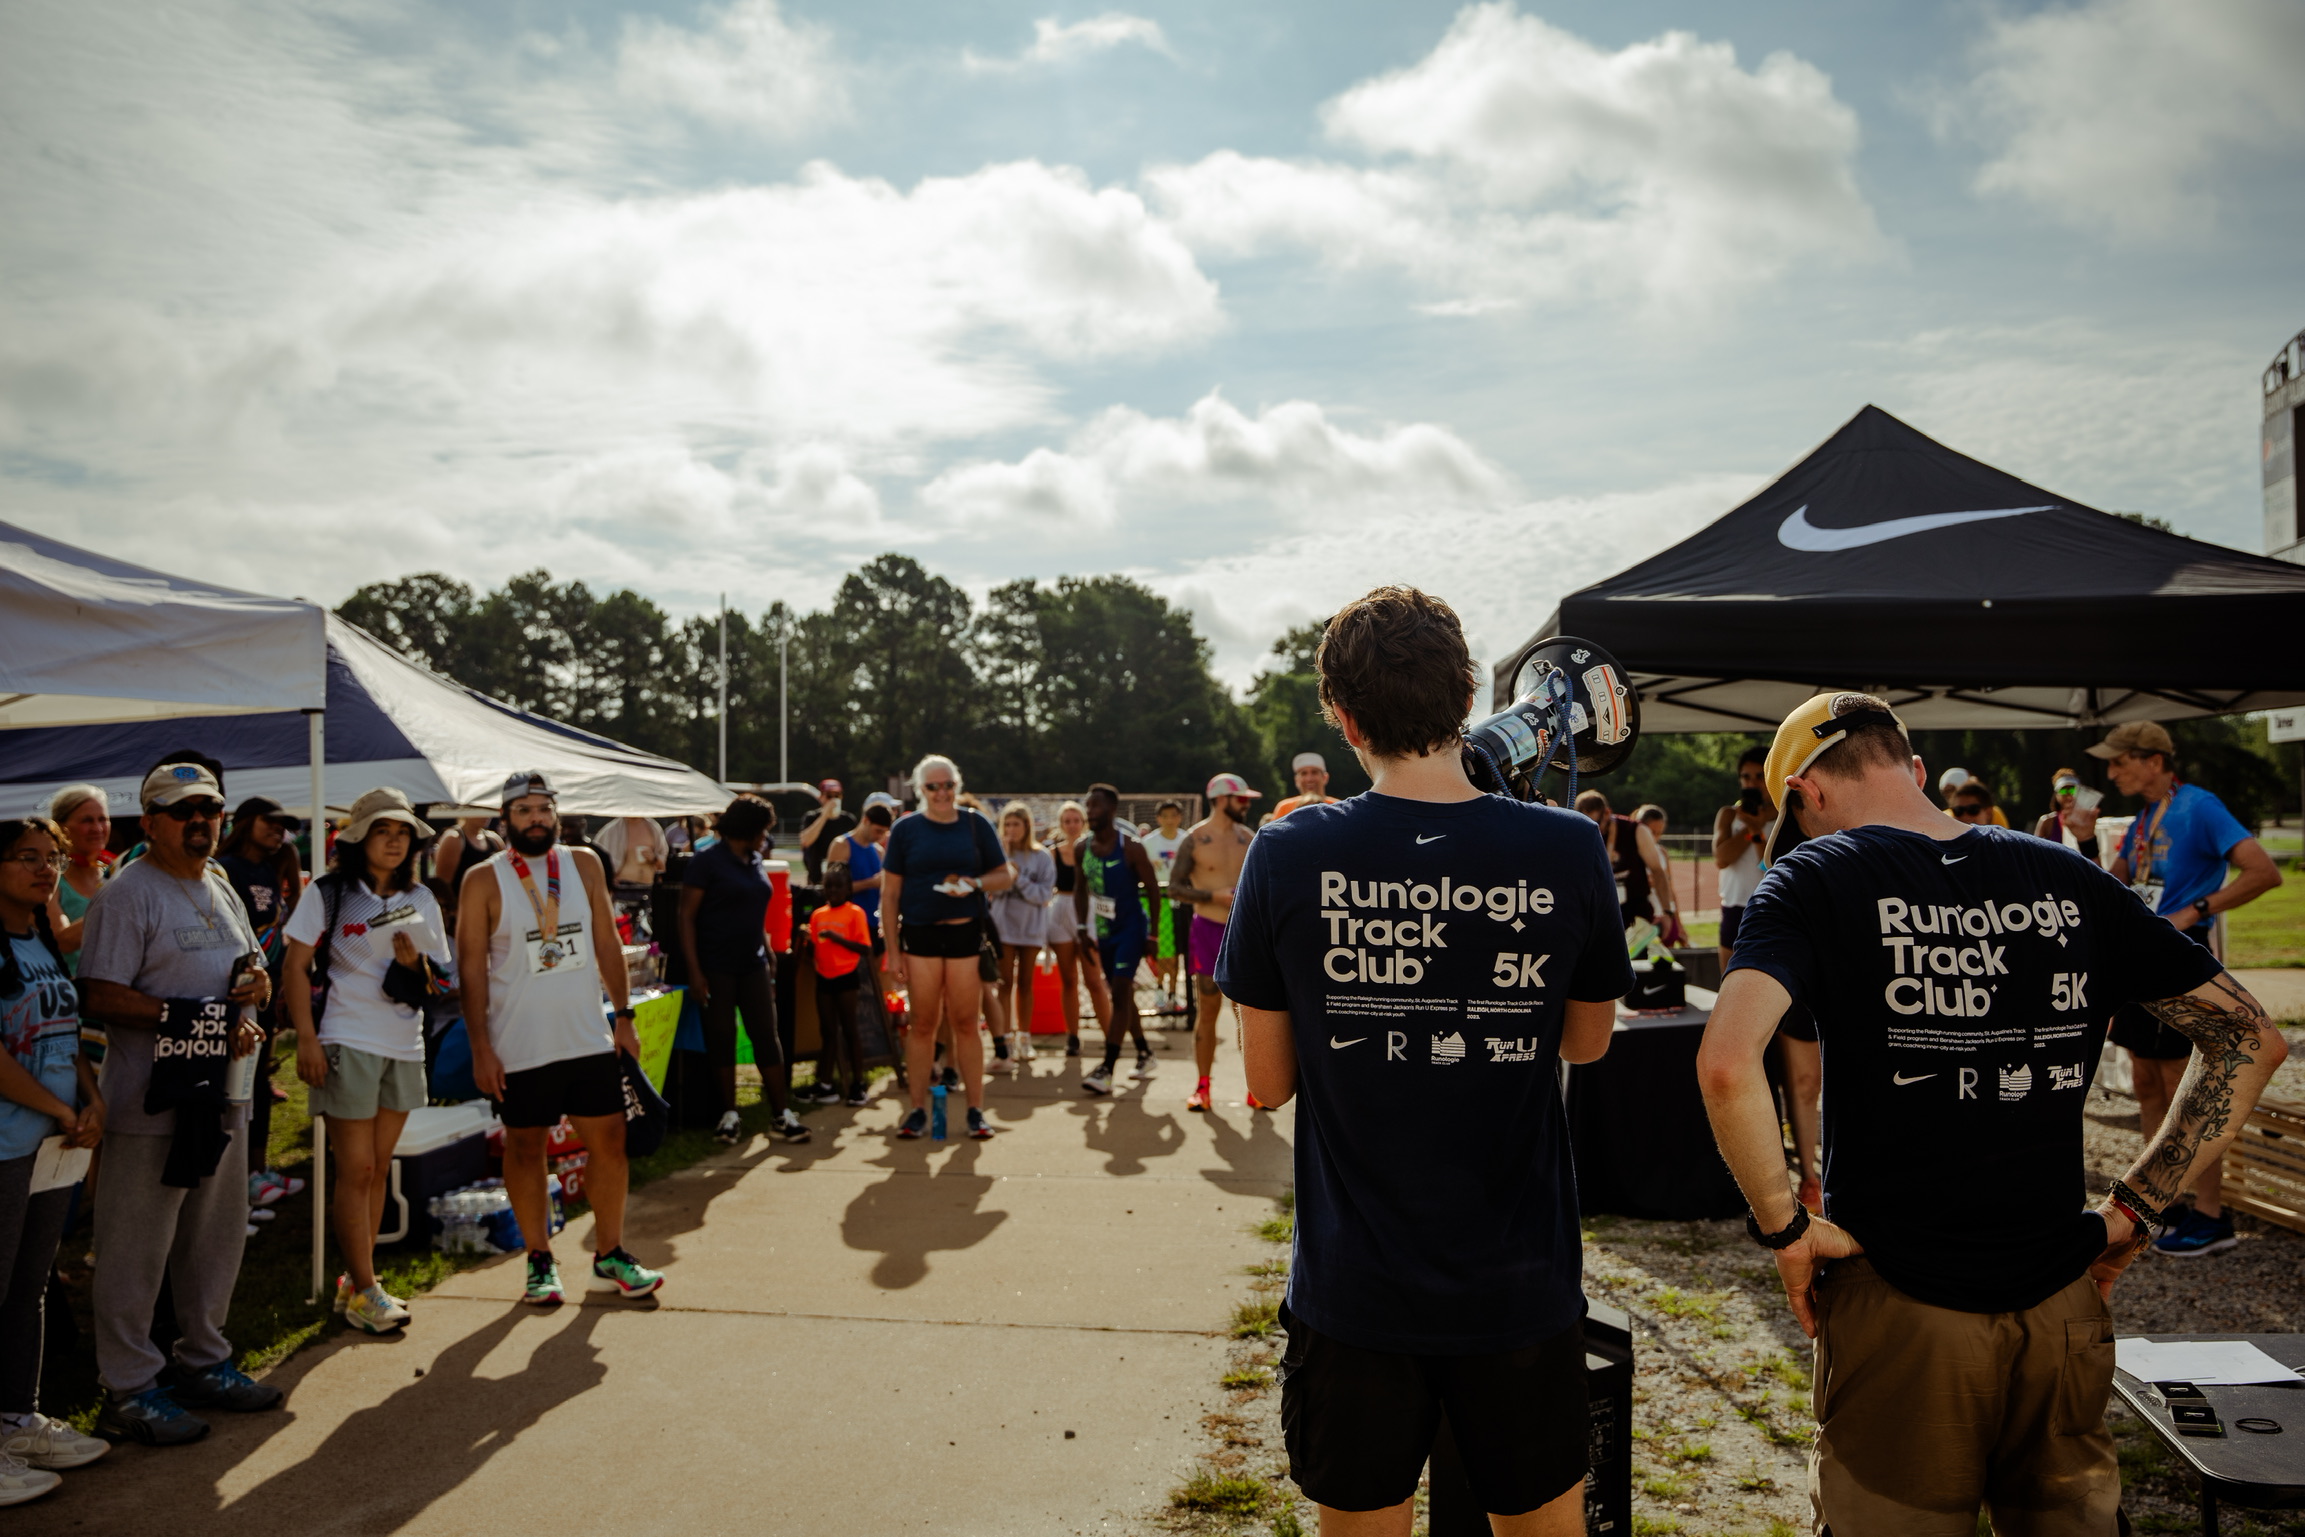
1925 1414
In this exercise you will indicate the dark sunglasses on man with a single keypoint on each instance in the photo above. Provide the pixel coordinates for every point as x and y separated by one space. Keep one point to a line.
1968 809
186 810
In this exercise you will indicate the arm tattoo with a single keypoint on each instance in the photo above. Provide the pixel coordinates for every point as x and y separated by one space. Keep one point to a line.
1179 891
2227 1032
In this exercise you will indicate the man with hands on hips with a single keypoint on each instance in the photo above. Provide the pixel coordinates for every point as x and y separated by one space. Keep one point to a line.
1960 977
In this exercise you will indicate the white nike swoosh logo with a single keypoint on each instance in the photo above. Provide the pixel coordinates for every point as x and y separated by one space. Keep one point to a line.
1947 859
1900 1080
1337 1045
1435 838
1798 533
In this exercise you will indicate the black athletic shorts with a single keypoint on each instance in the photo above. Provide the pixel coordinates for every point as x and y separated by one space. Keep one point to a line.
951 941
1732 918
2143 1035
540 1096
1359 1424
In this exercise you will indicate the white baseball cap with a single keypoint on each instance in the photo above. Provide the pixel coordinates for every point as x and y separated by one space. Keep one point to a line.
1230 784
1952 779
173 782
1308 760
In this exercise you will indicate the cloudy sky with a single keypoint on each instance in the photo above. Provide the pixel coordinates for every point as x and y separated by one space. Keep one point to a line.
1262 304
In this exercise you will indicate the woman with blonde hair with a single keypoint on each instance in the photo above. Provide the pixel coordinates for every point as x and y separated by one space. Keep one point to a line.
83 813
942 863
1020 916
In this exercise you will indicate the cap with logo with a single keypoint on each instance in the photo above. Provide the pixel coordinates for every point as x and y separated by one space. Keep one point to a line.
1804 738
1230 784
527 782
2134 736
382 804
173 782
1308 760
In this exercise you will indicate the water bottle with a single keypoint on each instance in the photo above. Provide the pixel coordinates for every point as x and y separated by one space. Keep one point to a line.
558 1219
936 1114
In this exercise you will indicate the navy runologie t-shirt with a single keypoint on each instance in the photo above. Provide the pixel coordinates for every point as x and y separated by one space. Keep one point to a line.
1424 952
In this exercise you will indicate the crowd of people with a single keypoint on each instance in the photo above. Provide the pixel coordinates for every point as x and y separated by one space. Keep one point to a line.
1407 968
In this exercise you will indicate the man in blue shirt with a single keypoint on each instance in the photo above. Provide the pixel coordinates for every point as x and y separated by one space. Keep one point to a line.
2174 857
1415 961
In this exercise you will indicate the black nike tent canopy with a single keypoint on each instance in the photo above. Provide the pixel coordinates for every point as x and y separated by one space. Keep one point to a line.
1887 562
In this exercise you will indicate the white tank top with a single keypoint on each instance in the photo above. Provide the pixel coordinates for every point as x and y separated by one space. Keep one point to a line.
1740 880
539 1016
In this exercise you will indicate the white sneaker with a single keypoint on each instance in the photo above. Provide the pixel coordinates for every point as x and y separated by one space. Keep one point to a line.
20 1481
731 1129
46 1443
1099 1081
1022 1049
376 1311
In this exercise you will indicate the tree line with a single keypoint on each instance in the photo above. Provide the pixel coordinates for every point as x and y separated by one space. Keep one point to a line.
1041 686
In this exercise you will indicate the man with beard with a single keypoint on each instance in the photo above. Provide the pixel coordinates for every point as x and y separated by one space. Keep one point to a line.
166 941
1206 869
533 973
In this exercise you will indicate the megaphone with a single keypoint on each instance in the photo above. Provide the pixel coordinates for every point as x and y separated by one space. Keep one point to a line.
1572 709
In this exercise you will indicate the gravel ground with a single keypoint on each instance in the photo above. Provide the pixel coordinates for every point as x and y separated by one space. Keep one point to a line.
1721 1407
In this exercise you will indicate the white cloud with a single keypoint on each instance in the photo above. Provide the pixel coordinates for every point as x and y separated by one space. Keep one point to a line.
747 67
1519 162
1057 42
1288 457
2120 114
1503 565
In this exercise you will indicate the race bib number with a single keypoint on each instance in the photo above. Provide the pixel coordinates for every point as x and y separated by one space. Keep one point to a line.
395 917
1103 909
2149 893
561 952
1624 893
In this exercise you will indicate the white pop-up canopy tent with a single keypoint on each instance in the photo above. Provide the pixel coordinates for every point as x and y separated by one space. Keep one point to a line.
100 662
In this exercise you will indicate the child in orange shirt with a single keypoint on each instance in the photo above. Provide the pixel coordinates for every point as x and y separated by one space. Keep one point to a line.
840 940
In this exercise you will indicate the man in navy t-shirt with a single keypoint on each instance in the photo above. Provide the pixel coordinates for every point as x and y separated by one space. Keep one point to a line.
1415 961
1960 977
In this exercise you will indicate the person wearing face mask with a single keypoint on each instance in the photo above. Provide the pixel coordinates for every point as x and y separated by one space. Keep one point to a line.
536 945
169 950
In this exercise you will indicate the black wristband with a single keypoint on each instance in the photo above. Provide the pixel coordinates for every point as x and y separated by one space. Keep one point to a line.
1784 1239
2140 1210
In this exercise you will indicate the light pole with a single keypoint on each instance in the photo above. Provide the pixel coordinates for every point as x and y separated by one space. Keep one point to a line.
783 701
724 688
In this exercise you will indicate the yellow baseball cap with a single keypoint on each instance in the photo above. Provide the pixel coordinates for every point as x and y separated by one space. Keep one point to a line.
1803 739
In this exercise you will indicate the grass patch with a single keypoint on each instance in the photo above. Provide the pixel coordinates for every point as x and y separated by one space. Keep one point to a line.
2271 930
1286 1524
1754 1481
1675 1303
1256 1319
1664 1486
1271 1269
1281 1229
1698 1451
1787 1368
1222 1494
1650 1526
1246 1379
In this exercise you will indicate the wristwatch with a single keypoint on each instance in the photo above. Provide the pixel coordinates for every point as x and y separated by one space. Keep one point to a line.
622 1014
2201 906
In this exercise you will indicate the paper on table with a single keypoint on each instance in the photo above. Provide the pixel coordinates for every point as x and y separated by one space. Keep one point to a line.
2205 1363
56 1165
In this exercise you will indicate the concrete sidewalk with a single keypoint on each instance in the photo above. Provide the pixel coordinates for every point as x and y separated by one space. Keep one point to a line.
857 1335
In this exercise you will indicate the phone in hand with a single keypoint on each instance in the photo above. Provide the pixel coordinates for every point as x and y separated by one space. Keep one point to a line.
244 970
1750 802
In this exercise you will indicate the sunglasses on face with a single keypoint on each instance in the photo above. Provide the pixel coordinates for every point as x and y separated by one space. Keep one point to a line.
32 861
2068 789
1966 810
938 787
185 811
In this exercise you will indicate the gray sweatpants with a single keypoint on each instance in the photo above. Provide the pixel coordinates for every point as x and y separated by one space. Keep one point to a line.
30 1226
145 1230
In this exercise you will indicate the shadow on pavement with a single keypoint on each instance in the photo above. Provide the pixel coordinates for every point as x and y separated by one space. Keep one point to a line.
907 1217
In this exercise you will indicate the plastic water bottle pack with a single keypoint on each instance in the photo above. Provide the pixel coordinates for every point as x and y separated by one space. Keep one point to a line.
478 1219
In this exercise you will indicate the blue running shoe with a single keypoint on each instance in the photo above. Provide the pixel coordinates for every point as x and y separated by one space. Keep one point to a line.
152 1417
225 1386
2196 1235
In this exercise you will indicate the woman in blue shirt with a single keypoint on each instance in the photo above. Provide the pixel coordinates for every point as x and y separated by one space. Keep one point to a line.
940 864
46 1090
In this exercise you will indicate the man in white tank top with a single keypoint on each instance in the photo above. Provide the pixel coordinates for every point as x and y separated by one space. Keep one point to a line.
533 969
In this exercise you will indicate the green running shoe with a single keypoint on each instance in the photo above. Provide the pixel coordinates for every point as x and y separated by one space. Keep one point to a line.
543 1283
617 1271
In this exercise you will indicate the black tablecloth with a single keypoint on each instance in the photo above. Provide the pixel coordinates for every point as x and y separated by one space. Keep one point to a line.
1637 1125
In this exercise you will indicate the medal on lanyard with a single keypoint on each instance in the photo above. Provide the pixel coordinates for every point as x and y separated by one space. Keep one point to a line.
2141 867
546 952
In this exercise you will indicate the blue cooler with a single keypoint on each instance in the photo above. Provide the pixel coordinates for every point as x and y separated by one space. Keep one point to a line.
442 1148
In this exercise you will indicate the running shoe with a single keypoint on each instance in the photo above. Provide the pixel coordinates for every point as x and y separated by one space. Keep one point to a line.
224 1386
266 1186
343 1295
1098 1081
730 1131
1145 1064
617 1271
261 1214
153 1417
977 1129
253 1230
376 1311
952 1077
543 1288
1072 1045
788 1126
857 1099
20 1481
1256 1103
1023 1052
2195 1235
824 1092
1200 1097
46 1443
915 1126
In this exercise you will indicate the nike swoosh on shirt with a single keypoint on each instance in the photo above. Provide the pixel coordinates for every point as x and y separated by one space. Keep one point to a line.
1900 1080
1435 838
1337 1045
1946 859
1798 533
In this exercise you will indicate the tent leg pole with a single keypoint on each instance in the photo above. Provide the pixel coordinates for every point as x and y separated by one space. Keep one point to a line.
319 1206
318 733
